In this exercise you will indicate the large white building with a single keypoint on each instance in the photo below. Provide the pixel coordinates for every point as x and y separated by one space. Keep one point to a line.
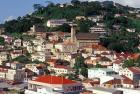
53 85
98 30
97 72
57 22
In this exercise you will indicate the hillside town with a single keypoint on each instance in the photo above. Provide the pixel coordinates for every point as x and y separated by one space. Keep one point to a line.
74 62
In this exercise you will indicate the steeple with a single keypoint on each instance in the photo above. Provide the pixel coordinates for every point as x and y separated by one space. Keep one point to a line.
73 32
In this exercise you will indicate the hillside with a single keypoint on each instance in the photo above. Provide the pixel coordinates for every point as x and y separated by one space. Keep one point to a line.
69 11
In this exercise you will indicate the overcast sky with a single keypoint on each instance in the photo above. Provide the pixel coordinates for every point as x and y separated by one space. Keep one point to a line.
10 9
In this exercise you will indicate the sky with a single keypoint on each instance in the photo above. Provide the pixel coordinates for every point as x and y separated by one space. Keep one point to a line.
10 9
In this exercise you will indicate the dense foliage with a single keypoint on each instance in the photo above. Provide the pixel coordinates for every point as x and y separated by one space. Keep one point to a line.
118 41
21 24
131 63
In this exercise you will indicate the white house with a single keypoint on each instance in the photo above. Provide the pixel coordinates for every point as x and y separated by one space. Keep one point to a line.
131 77
97 72
60 70
3 57
98 30
34 68
57 22
18 42
38 56
66 47
117 65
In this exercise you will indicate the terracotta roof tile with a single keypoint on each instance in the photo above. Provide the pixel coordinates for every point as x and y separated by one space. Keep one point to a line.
54 80
127 80
135 70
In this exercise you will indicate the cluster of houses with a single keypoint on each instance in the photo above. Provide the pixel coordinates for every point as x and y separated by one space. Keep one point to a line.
56 52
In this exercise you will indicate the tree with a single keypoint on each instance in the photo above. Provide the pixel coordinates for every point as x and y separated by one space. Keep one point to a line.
98 66
65 28
128 63
37 62
2 41
84 25
79 62
37 7
22 59
75 2
84 72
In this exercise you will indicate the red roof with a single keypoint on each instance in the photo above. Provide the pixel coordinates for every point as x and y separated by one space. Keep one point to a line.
53 80
114 81
127 80
135 70
62 67
117 62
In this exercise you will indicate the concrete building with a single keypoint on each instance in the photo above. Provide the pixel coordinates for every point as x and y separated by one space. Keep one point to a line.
53 85
85 39
57 22
99 90
97 72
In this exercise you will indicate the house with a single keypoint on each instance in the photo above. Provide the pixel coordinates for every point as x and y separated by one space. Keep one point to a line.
133 73
57 22
26 43
100 90
38 56
39 44
109 54
39 70
117 65
131 77
129 91
104 61
91 61
3 57
15 75
51 62
17 42
85 39
98 30
11 74
15 65
2 47
53 37
96 18
53 85
16 53
100 24
8 39
95 49
88 83
3 71
97 72
2 30
60 69
37 30
80 17
66 47
28 74
130 30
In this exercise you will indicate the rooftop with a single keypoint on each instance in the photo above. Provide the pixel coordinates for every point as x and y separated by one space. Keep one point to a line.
103 69
87 36
135 70
105 89
53 80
